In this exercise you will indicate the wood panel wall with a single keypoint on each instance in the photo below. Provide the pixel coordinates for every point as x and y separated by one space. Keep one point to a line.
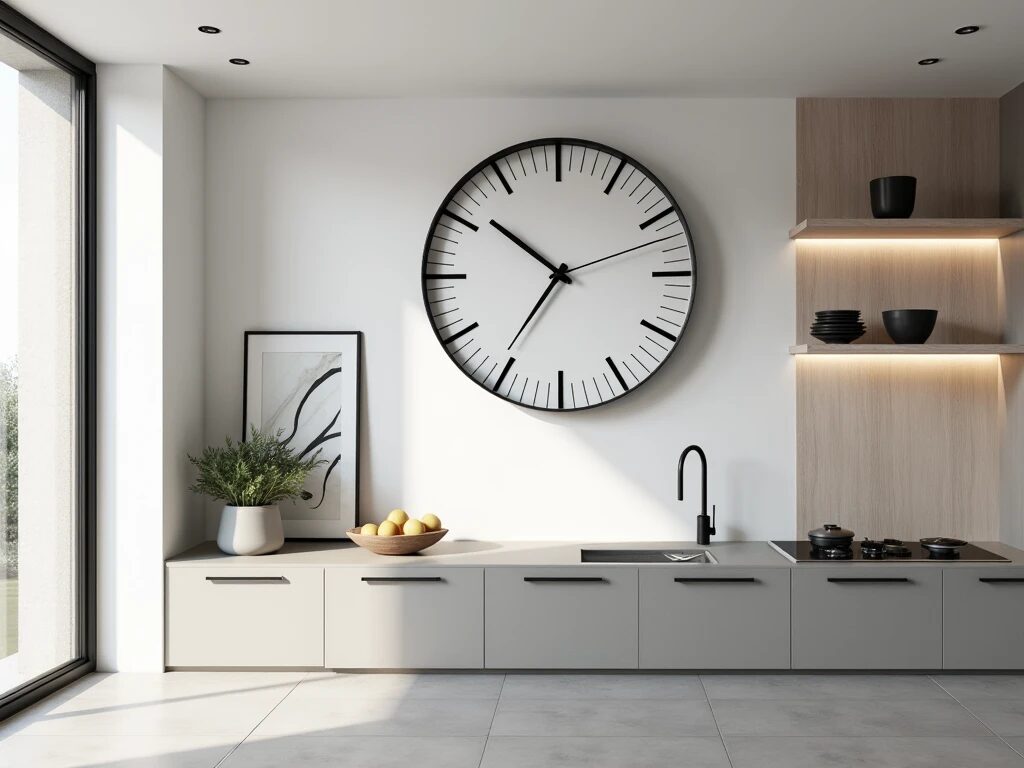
950 145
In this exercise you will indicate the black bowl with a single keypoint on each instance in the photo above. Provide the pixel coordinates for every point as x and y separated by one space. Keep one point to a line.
909 326
892 197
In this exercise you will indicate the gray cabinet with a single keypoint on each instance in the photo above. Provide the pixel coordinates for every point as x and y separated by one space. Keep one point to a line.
404 618
561 618
983 618
863 617
245 617
717 617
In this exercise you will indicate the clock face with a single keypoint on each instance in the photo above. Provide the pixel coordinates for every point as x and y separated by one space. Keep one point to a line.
559 274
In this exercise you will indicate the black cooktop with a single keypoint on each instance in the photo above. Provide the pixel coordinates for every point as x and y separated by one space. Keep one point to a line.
896 552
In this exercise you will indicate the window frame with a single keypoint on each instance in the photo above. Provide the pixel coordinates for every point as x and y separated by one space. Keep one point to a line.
83 71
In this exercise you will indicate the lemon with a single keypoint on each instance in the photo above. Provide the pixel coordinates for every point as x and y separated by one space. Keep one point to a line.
370 529
388 528
398 516
431 522
413 528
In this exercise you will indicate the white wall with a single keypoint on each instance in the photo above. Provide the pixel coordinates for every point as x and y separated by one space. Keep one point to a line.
183 373
317 212
148 126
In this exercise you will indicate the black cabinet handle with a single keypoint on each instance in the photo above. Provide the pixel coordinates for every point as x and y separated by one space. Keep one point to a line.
715 580
1000 580
399 579
247 579
566 579
868 580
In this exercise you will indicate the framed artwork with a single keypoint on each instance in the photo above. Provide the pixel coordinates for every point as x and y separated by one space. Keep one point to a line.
306 386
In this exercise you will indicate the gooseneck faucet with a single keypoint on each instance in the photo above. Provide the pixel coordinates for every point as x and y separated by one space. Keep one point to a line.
705 524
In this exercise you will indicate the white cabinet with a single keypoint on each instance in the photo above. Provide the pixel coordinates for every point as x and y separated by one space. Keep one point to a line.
983 618
245 617
864 617
404 618
561 618
717 617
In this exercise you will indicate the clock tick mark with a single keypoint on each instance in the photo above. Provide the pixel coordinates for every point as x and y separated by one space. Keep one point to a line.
661 331
666 320
640 363
666 226
616 374
644 196
521 165
462 221
463 347
561 389
606 165
631 172
656 343
656 217
652 205
478 188
615 176
637 187
501 177
673 273
626 366
558 161
648 353
456 202
443 277
480 364
460 334
534 158
504 373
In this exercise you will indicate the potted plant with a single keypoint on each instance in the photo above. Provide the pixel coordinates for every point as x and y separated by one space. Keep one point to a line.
251 478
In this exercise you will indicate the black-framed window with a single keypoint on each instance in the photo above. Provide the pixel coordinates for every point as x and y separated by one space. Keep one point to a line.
47 363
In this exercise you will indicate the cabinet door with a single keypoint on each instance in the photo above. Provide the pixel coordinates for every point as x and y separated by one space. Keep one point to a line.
863 617
404 618
983 618
245 617
715 617
561 618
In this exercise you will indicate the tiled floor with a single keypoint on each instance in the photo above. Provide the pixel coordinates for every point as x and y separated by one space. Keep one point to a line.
244 719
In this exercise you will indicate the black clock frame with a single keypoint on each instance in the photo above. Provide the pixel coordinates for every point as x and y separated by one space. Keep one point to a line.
579 143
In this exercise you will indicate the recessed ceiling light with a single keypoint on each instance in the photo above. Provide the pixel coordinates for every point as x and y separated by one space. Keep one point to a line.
928 62
239 62
970 29
208 30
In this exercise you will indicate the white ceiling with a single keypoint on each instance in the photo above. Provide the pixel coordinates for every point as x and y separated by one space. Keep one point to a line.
556 47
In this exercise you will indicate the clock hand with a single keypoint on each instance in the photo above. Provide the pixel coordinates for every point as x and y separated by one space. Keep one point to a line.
551 267
634 248
552 282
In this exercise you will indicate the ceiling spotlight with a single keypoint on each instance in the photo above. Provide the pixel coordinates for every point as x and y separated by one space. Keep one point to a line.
928 62
970 29
208 30
243 62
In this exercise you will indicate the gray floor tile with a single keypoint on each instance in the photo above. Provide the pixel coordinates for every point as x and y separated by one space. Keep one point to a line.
178 751
379 717
603 717
358 752
1004 716
932 752
331 685
846 717
583 752
983 686
889 687
602 686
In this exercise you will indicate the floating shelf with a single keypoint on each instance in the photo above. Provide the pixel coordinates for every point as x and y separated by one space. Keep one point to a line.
907 349
905 228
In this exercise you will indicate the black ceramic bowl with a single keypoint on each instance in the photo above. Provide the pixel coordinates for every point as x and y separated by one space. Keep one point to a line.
892 197
909 326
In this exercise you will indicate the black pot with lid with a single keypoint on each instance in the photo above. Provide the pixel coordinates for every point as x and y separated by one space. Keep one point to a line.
831 536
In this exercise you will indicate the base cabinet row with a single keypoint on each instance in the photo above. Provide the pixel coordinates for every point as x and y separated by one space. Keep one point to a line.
597 618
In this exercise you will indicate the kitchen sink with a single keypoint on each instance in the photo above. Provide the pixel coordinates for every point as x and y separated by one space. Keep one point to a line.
680 556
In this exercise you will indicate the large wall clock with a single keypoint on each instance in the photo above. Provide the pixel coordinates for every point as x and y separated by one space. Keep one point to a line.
559 274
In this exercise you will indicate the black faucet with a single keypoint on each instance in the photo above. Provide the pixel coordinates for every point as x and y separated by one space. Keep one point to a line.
705 524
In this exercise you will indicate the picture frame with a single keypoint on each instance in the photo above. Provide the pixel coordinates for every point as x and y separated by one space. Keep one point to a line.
307 385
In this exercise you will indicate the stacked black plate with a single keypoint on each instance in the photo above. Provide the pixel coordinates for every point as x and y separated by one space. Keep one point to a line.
837 326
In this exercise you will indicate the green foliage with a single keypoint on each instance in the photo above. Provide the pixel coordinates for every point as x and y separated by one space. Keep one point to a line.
257 473
9 465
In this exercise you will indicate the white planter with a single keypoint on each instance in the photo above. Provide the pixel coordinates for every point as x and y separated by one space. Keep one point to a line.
250 530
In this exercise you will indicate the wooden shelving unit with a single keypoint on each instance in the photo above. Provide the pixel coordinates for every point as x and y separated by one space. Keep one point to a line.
907 349
905 228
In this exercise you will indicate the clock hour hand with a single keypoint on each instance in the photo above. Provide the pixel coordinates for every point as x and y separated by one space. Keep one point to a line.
628 250
552 282
551 267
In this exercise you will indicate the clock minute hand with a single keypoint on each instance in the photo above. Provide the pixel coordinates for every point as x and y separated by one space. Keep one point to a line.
628 250
552 282
551 267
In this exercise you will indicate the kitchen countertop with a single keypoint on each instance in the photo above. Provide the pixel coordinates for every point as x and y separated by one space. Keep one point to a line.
528 553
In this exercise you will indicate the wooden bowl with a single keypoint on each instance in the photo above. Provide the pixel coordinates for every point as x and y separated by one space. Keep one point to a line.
396 545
